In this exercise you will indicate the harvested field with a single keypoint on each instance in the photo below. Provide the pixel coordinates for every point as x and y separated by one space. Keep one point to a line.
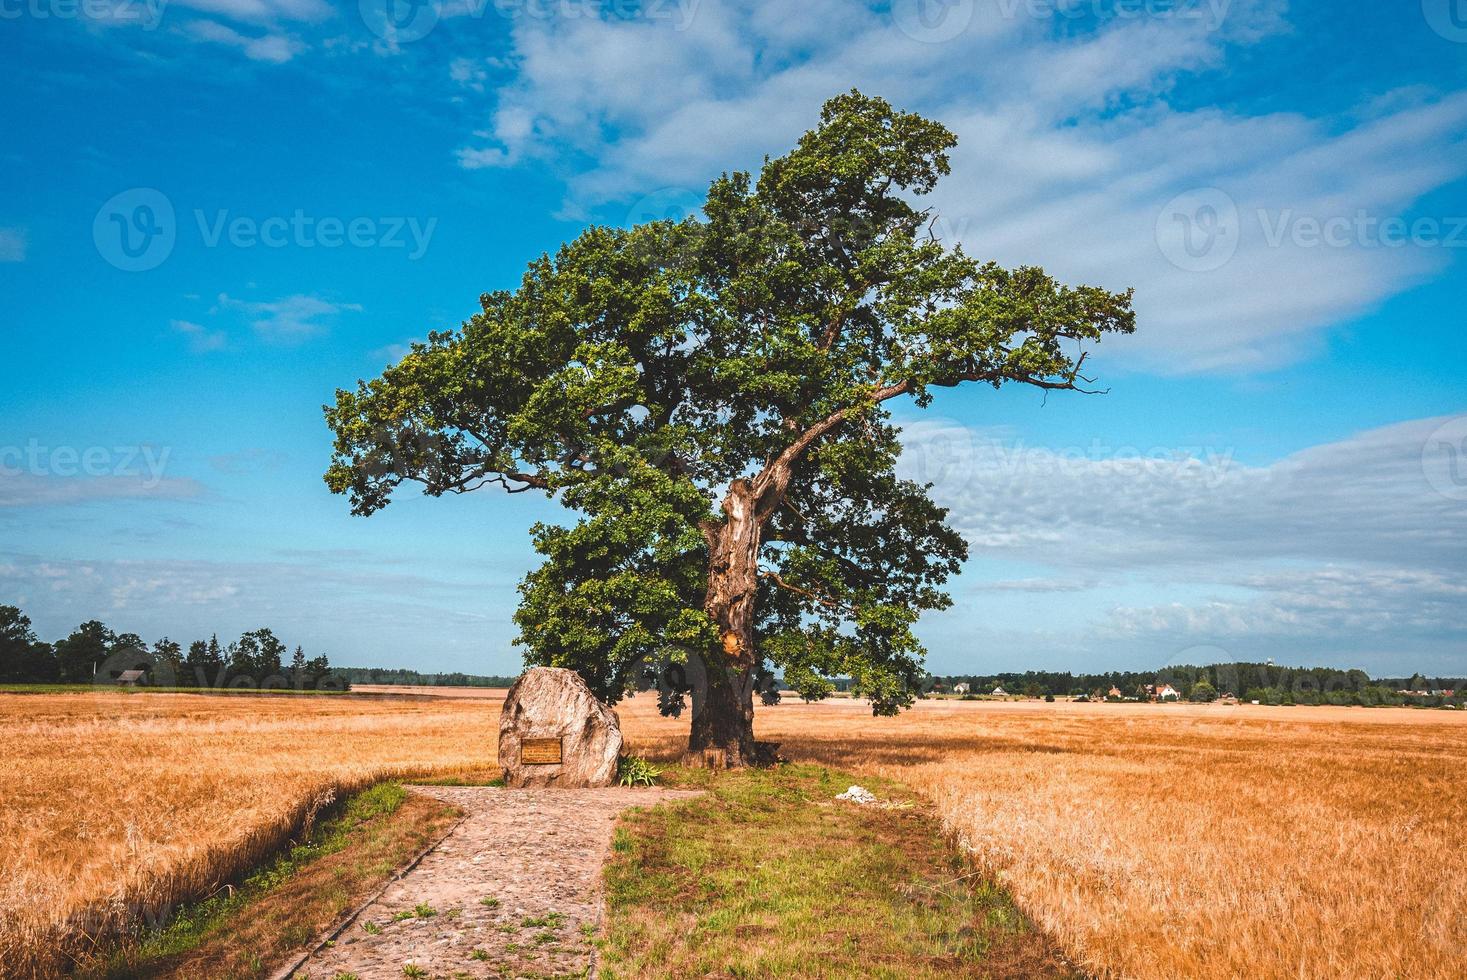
1149 841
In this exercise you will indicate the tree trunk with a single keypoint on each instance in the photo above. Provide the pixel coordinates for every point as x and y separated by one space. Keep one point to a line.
723 697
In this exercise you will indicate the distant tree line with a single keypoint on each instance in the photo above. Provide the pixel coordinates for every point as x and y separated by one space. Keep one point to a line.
1265 683
389 675
93 653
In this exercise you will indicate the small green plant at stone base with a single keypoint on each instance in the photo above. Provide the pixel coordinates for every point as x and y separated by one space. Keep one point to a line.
371 928
413 970
633 770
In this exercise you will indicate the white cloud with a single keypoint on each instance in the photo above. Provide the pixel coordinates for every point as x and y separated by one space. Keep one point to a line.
287 320
21 488
200 338
469 73
1070 149
1375 497
253 460
392 353
1310 604
263 11
13 244
349 608
273 48
1353 551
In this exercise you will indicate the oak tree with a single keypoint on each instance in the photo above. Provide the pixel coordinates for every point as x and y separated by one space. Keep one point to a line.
711 399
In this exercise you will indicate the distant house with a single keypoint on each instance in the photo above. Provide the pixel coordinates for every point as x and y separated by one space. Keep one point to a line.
130 678
999 692
960 688
1114 692
1165 692
1228 699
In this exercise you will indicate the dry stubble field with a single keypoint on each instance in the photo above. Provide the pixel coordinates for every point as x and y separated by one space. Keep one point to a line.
1149 841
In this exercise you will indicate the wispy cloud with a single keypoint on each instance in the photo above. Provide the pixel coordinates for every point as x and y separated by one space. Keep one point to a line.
24 489
263 11
288 320
269 47
1351 549
354 611
1072 152
13 244
253 460
1383 496
200 338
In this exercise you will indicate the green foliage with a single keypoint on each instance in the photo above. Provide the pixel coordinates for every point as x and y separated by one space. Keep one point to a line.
93 653
414 678
770 880
1202 692
632 770
1265 683
646 376
23 658
88 645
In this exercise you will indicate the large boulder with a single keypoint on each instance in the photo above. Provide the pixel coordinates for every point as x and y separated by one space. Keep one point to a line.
554 732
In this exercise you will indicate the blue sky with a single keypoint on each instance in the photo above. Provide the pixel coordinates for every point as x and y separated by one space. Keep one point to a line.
304 188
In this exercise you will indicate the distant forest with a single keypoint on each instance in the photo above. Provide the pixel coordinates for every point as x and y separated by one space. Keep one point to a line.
391 675
95 654
1265 683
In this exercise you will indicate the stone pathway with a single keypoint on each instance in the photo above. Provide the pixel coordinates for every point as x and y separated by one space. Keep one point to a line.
513 891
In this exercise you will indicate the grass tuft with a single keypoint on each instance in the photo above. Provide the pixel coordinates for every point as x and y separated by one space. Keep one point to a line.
767 875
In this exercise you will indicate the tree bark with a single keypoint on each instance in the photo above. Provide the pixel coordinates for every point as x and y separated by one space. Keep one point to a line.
722 732
723 698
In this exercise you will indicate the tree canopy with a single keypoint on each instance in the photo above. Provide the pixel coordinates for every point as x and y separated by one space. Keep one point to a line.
710 398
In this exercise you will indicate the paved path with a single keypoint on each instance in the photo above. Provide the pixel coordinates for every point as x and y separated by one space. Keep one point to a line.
514 890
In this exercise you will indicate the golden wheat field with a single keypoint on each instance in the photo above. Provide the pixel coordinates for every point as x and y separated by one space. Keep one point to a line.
1150 841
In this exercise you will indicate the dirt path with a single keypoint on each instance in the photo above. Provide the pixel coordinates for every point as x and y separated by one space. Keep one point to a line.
514 891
